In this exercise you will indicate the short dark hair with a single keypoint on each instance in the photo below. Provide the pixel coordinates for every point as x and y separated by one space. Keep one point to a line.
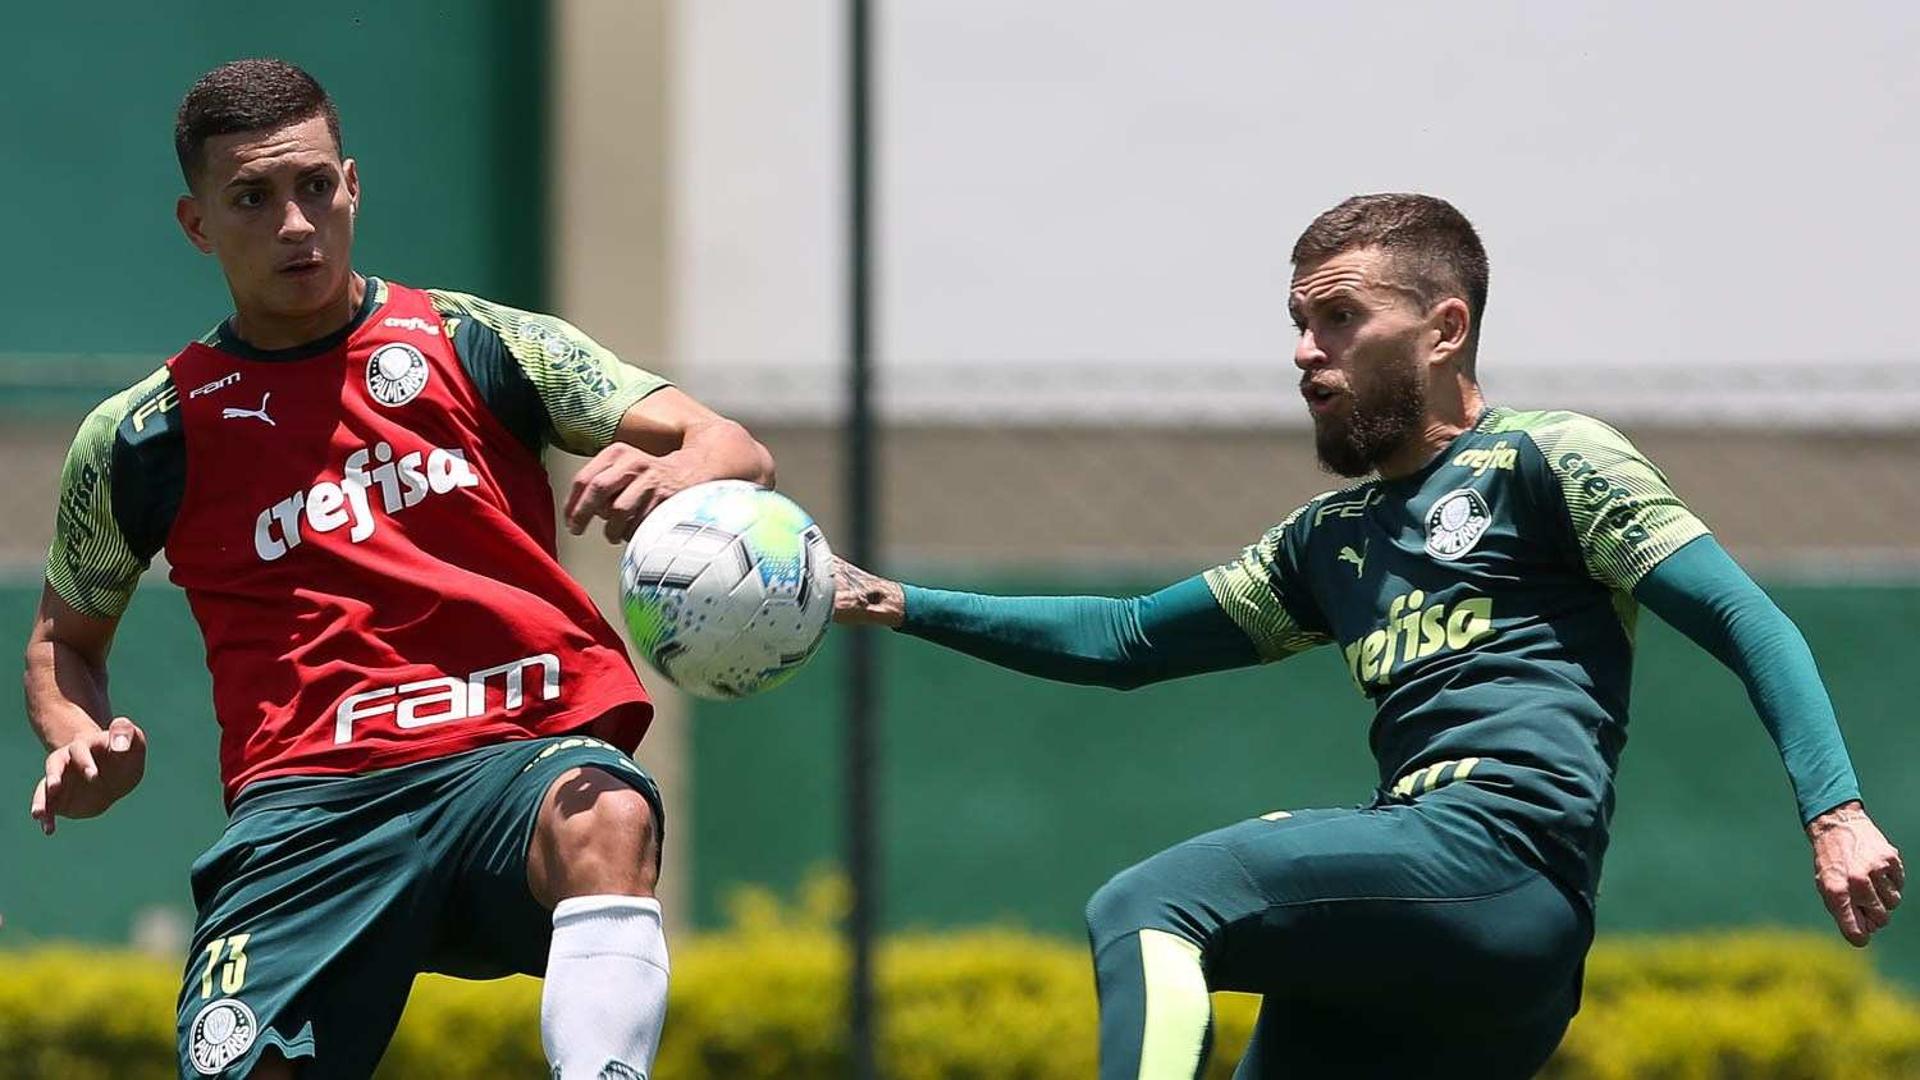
1422 234
246 95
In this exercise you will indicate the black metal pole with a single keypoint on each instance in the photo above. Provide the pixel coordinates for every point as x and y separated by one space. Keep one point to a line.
862 824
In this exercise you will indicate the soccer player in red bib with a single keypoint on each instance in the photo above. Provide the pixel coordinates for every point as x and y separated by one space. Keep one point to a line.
425 723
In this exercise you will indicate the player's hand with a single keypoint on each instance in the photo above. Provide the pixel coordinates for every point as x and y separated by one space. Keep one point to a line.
90 773
623 484
1858 874
861 598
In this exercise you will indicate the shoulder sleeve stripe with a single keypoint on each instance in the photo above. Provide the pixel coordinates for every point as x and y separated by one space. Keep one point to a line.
1248 590
1624 513
90 565
585 388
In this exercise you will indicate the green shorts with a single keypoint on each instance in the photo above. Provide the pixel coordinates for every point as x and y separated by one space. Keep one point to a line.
1412 937
327 895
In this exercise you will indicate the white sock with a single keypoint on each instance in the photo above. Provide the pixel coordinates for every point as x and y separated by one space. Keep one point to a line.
605 997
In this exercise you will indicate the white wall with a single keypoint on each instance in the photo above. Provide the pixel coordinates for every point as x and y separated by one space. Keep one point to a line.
1079 193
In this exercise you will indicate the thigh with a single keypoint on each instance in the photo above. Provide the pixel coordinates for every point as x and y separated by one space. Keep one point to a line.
310 928
1400 903
1419 910
492 924
1236 875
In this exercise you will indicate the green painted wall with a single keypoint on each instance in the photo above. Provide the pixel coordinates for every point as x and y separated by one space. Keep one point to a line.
444 107
1011 799
90 878
442 104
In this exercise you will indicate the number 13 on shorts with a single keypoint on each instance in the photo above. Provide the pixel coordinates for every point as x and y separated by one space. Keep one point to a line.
233 973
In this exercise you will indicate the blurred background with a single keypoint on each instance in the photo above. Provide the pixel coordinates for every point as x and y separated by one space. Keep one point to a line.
1701 229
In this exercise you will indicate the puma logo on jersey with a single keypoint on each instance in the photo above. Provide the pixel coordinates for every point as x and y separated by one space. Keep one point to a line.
328 506
1415 631
1357 558
231 413
448 698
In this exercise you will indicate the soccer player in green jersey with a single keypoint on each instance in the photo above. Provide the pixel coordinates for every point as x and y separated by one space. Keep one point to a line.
1481 580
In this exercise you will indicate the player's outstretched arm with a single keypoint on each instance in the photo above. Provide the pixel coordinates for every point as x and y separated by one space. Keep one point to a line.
93 757
667 442
1093 640
1704 594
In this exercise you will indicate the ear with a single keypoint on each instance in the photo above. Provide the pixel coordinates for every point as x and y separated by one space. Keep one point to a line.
186 210
350 171
1449 324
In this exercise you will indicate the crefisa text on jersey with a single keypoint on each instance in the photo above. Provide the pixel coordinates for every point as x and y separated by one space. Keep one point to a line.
330 505
1603 491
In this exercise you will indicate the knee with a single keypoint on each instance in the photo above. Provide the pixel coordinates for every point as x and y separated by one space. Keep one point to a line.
1189 890
1130 900
615 823
599 834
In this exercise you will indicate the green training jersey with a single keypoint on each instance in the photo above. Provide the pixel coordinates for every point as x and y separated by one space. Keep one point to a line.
547 382
1484 606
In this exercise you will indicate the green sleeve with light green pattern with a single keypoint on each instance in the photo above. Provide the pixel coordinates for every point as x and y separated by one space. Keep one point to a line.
1265 595
1624 515
91 565
579 390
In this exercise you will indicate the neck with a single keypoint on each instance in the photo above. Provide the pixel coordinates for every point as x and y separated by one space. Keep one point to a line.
1452 408
268 331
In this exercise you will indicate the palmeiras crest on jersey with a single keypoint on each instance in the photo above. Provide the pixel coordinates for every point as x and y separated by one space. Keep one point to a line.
1457 521
396 373
222 1032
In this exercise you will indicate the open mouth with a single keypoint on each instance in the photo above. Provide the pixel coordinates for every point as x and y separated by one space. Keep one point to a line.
301 266
1320 399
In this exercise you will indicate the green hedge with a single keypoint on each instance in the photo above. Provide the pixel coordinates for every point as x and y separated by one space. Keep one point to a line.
763 1000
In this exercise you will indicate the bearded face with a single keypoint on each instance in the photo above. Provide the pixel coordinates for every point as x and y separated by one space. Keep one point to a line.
1385 410
1360 357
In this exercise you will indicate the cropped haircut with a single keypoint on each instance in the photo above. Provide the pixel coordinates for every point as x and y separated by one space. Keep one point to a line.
1425 237
246 95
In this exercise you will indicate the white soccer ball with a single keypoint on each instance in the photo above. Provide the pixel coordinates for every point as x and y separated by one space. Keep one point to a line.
727 589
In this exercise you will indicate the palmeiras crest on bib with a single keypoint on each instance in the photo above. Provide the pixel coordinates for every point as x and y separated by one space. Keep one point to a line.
1457 521
222 1033
396 373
